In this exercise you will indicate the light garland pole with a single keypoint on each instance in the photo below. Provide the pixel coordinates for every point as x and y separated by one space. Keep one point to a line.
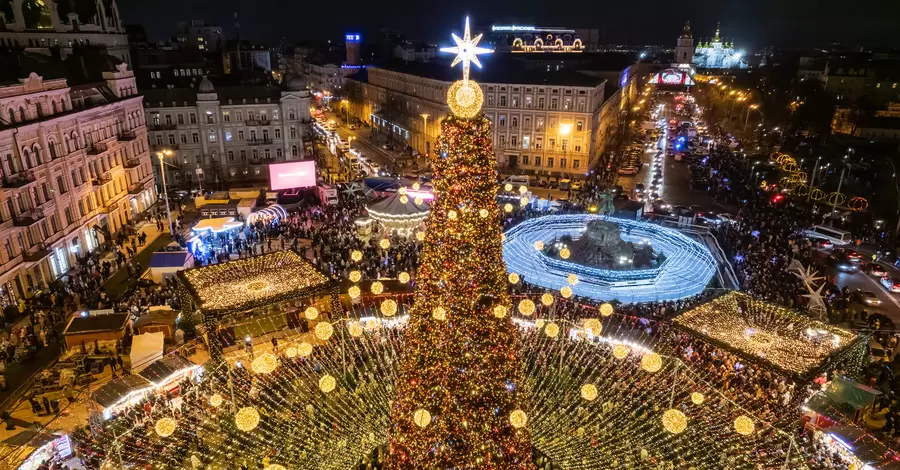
162 171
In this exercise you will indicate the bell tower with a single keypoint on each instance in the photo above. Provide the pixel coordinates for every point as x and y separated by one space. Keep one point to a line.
684 51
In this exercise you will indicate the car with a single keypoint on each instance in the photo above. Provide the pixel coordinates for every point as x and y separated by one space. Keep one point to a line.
891 284
630 170
639 188
876 270
851 255
865 297
352 127
821 243
577 185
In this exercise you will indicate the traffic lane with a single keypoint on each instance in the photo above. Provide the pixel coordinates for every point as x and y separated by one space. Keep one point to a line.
890 303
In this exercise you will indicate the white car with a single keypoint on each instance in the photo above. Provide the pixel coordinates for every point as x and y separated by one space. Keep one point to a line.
628 170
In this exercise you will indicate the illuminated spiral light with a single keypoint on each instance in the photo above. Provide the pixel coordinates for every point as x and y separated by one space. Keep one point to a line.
817 194
355 276
674 421
744 426
507 187
266 363
291 352
572 279
416 186
606 310
620 351
518 419
858 204
565 253
216 400
404 199
836 198
526 307
420 236
403 277
377 287
483 213
507 207
523 201
327 383
311 313
418 200
593 326
165 427
523 189
422 418
513 278
356 255
566 292
324 330
384 243
246 419
356 329
538 245
697 398
452 215
500 311
551 330
304 349
354 292
389 307
651 362
589 392
439 313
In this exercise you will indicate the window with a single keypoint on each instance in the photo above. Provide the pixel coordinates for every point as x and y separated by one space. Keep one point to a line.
193 118
293 132
502 140
195 137
565 144
265 134
502 121
61 185
525 141
528 102
514 122
210 119
576 164
490 101
168 119
239 116
515 101
227 136
277 133
212 136
524 159
562 162
537 161
552 144
180 118
540 102
171 139
243 155
538 143
231 155
279 153
513 140
226 116
240 135
158 139
567 104
503 101
295 152
578 145
554 103
527 123
581 104
579 126
539 124
267 153
252 135
68 214
254 154
549 162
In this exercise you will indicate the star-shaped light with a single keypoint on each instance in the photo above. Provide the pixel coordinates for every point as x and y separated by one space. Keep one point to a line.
466 50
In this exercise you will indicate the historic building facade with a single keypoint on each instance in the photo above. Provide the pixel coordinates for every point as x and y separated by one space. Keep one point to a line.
718 54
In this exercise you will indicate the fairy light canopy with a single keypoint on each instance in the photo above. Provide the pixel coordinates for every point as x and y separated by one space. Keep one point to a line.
465 96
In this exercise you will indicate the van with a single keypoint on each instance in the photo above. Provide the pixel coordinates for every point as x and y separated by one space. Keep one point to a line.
521 180
835 236
564 185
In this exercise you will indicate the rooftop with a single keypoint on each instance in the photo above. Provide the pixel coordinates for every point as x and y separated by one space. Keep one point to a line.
96 323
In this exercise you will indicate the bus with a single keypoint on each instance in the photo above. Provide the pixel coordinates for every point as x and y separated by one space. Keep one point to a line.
835 236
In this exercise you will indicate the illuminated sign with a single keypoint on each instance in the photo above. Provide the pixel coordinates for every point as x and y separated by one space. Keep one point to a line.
292 175
512 27
352 37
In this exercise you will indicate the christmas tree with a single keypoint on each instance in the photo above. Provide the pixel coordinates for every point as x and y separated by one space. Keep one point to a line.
460 393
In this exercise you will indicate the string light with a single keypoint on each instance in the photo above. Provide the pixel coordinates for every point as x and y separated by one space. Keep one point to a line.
620 351
606 309
246 419
523 189
404 199
593 326
416 186
565 253
572 279
552 330
523 201
384 243
538 245
566 292
355 329
324 330
418 200
452 215
265 363
354 292
507 207
215 400
500 311
697 398
483 213
420 236
304 349
291 352
356 255
439 314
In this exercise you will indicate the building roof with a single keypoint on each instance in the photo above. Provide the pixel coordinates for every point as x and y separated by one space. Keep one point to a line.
156 317
114 390
166 367
228 95
393 208
170 259
96 323
497 69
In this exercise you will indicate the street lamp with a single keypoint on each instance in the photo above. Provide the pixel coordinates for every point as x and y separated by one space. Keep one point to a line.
162 169
425 131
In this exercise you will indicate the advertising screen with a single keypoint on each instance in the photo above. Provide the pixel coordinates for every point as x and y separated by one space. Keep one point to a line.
292 175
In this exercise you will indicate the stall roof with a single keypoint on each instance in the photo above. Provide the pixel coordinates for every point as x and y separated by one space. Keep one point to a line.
30 438
165 316
117 389
96 323
865 447
166 367
393 207
169 259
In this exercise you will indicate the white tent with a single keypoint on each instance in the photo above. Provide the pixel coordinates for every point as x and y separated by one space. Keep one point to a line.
145 349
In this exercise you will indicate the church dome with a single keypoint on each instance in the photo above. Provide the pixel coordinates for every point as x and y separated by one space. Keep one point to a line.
206 86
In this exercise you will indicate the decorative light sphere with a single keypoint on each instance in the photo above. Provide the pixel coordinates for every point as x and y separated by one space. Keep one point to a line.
402 190
266 363
216 400
538 245
389 307
354 292
606 309
324 330
620 351
247 418
404 199
452 215
697 398
507 207
356 255
565 253
551 330
507 187
465 98
377 287
651 362
355 276
304 349
523 189
593 326
500 311
523 201
384 243
547 299
422 418
418 200
439 313
420 236
539 323
483 213
744 425
572 279
416 186
674 421
356 329
327 383
566 292
403 277
291 352
526 307
311 313
513 278
518 419
165 427
589 392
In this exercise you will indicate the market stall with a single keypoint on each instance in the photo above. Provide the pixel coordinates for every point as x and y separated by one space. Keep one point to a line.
119 393
165 264
160 318
96 328
399 213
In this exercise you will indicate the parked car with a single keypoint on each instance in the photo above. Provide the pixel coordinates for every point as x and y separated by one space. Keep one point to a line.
865 297
876 270
628 170
891 284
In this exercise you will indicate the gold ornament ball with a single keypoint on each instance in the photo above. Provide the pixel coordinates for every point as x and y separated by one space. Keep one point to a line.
418 200
513 278
547 299
483 213
305 349
539 323
404 199
389 307
311 313
593 326
291 352
165 427
526 307
327 383
356 255
620 351
420 236
523 189
384 243
551 330
324 330
416 186
565 253
651 362
539 245
264 364
355 276
606 310
452 214
744 426
507 187
439 313
402 190
216 400
377 287
572 279
500 311
422 418
589 392
465 98
403 277
566 292
523 201
697 398
356 329
508 207
518 419
674 421
354 292
246 419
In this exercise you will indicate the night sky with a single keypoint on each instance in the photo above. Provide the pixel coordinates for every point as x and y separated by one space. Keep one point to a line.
750 23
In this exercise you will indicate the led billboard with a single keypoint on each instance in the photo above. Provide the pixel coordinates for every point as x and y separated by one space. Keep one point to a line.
292 175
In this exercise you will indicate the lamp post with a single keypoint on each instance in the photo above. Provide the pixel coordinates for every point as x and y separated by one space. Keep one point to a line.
162 170
749 108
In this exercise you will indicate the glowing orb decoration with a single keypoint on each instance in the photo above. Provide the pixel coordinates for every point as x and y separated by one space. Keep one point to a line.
354 292
547 299
420 236
518 419
355 276
523 189
452 215
620 351
384 243
216 400
389 307
416 186
526 307
418 200
523 201
465 98
422 418
403 277
538 245
311 313
377 287
483 213
500 311
589 392
551 330
744 426
651 362
304 349
507 187
565 253
439 313
404 199
247 418
165 427
566 292
324 330
513 278
674 421
402 190
572 279
291 352
593 326
606 310
266 363
697 398
507 207
356 255
327 383
355 329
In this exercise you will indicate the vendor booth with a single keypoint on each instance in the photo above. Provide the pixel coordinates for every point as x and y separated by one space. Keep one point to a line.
165 264
29 449
399 213
217 225
96 328
267 214
160 318
145 349
163 375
